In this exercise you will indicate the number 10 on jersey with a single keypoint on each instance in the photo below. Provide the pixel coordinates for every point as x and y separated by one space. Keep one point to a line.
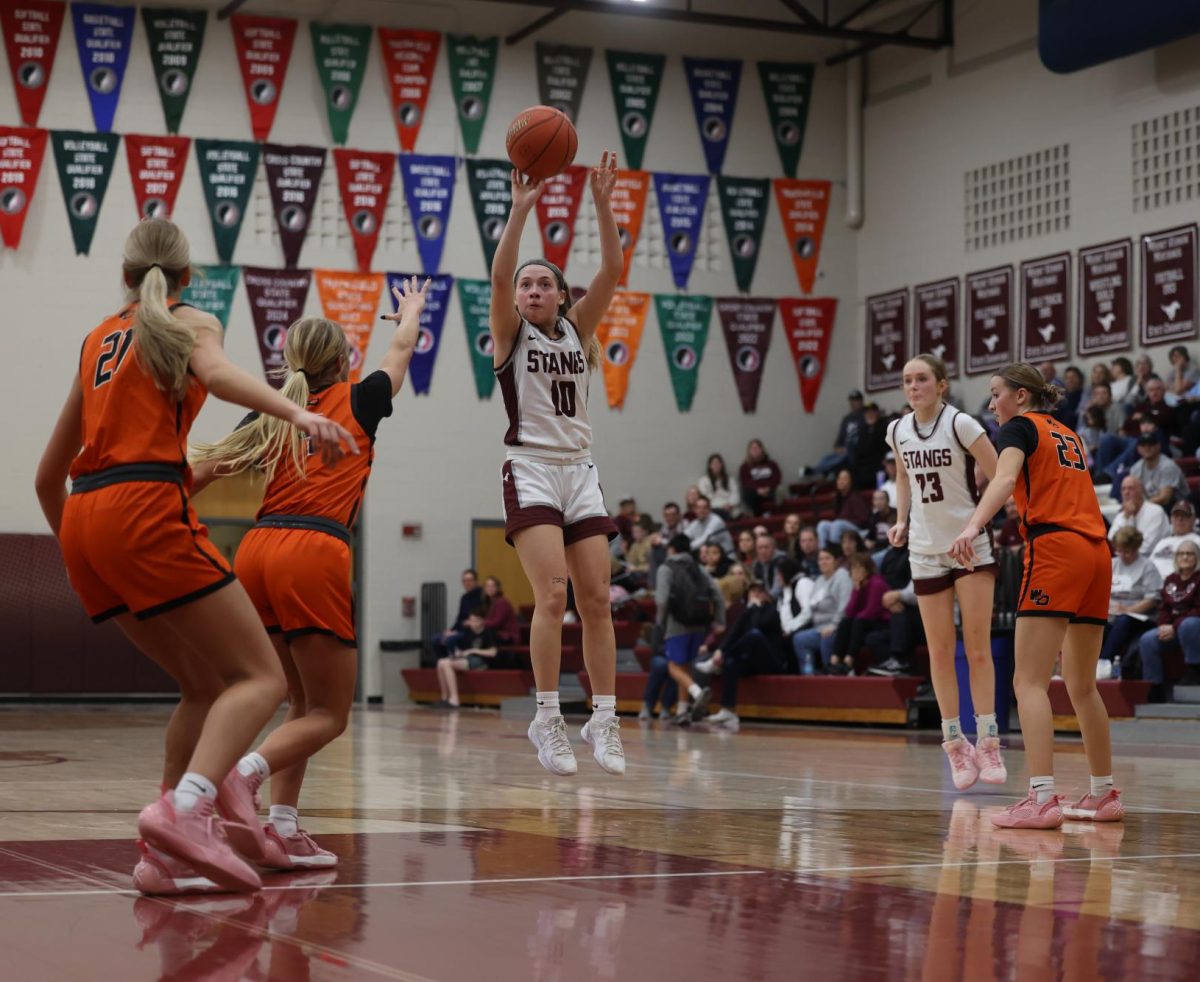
562 394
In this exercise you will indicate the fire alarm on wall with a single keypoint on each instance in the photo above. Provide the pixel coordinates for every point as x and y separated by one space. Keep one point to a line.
411 531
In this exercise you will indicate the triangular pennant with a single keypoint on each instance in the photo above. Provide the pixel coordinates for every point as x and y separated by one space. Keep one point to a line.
365 181
227 170
293 175
31 32
408 60
102 35
787 86
490 184
211 289
681 200
628 206
264 49
341 51
420 369
803 206
21 152
156 166
277 299
635 78
744 210
352 300
562 71
429 191
85 163
175 38
475 298
557 209
683 322
620 336
808 326
472 71
713 83
746 323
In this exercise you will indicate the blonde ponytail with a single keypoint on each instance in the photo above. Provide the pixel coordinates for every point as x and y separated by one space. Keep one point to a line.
155 262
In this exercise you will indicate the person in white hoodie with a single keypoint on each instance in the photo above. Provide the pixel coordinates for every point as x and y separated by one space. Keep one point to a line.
822 602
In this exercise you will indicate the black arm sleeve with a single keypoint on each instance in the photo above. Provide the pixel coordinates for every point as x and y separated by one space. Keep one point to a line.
371 401
1020 433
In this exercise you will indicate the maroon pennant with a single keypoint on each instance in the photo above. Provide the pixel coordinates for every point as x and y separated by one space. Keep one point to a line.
1045 288
365 180
935 315
277 299
989 319
1105 304
746 322
887 339
808 326
31 30
293 174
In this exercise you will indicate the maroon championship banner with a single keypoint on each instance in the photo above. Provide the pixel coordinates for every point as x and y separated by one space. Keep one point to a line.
21 152
1105 303
1169 285
989 319
156 165
808 327
264 48
31 29
365 180
277 299
935 322
293 174
887 339
1045 314
746 323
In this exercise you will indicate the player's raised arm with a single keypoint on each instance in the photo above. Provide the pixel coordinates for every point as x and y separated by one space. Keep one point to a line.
503 315
590 309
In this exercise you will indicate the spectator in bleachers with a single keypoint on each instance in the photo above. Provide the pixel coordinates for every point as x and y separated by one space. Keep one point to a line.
672 525
471 650
1091 432
864 613
883 517
850 544
767 558
714 560
1136 589
1178 624
1184 373
707 526
1143 373
498 614
1050 373
627 514
791 535
734 585
1099 375
851 511
1009 536
904 625
867 460
1114 415
847 436
1161 477
808 548
744 553
759 477
887 483
631 568
1183 529
1070 406
720 490
690 497
831 590
795 606
1121 378
471 598
1148 518
1151 415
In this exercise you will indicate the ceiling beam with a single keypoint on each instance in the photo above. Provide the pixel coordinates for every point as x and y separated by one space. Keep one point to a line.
230 8
862 8
945 35
538 23
801 11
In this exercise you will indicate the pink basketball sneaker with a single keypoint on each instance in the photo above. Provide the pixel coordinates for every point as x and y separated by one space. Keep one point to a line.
297 851
164 875
1098 808
237 797
1028 814
197 839
990 763
963 768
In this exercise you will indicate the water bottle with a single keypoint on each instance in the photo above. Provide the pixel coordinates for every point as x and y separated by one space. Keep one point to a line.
1116 669
806 666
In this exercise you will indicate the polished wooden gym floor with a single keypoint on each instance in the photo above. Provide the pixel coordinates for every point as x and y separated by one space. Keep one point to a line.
778 853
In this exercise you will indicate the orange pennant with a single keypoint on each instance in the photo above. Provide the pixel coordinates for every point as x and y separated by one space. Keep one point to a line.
351 299
803 206
620 334
628 205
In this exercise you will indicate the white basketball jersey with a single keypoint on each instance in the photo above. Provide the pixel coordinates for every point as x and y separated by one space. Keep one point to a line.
941 476
545 385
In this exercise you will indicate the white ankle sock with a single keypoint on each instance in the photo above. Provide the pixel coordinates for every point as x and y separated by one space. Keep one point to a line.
1102 785
951 729
694 690
190 789
603 707
286 820
1043 787
985 726
252 764
547 703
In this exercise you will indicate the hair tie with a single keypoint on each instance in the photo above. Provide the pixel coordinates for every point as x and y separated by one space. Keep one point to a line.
154 266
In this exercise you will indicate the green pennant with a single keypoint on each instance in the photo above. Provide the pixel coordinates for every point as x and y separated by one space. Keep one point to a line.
744 209
227 169
490 183
341 52
212 289
472 70
787 86
85 163
175 38
683 320
475 298
635 78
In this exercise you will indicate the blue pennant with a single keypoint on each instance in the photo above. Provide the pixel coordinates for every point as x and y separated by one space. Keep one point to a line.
681 202
102 34
713 83
420 369
429 190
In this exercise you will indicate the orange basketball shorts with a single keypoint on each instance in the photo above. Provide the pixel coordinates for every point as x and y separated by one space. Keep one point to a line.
1066 575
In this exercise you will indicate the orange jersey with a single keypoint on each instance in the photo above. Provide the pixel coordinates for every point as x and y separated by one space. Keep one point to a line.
1054 489
127 418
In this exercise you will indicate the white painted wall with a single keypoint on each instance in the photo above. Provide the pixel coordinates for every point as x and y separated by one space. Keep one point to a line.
438 458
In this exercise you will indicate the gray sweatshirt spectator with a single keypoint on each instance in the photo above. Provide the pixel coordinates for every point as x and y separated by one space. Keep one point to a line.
708 526
666 624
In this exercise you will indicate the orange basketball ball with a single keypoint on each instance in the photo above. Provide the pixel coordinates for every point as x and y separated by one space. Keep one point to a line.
541 142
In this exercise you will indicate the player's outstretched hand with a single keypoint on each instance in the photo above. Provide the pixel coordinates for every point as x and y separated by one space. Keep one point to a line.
604 177
963 548
525 190
898 534
409 299
332 440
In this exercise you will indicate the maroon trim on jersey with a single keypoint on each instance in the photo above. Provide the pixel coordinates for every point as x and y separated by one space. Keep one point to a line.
936 584
936 423
587 527
954 430
507 376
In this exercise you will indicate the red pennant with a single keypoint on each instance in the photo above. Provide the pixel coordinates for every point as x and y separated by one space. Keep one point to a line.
365 180
264 48
21 152
31 30
156 166
808 326
557 209
408 60
803 206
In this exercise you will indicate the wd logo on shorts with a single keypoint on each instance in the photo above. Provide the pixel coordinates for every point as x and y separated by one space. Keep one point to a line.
424 341
1039 597
748 359
617 353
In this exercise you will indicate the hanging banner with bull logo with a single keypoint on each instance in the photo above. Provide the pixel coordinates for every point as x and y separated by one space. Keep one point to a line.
472 71
21 152
429 190
1045 292
408 60
341 53
557 209
787 87
989 319
264 50
475 299
365 181
713 83
628 205
562 71
211 289
490 185
1169 285
887 339
636 78
227 170
620 336
803 206
31 31
351 300
746 323
103 35
293 174
681 201
744 210
277 298
808 327
175 38
683 322
1105 319
85 163
156 165
935 316
437 301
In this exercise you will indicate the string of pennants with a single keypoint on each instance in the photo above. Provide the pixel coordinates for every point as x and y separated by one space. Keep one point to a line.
1039 324
264 46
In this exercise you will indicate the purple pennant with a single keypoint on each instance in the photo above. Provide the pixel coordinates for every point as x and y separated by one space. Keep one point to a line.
429 190
681 202
713 83
102 34
420 369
